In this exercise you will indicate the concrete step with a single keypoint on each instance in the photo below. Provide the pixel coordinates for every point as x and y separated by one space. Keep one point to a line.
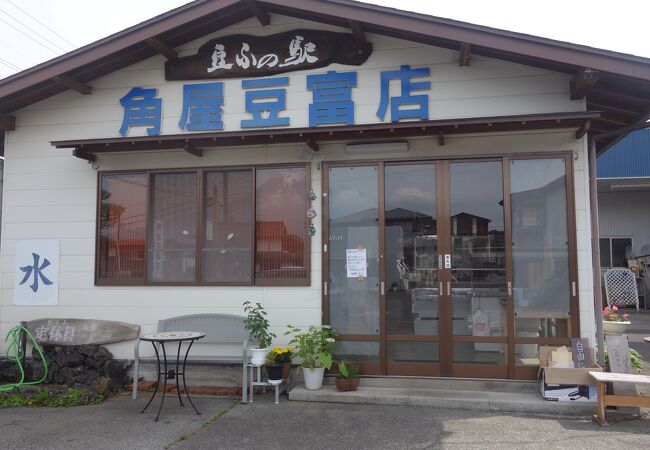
458 384
516 402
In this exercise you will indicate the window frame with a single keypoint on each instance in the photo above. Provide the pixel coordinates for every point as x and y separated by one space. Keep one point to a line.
200 216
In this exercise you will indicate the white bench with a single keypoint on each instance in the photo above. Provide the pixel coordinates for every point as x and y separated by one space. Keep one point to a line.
218 328
605 400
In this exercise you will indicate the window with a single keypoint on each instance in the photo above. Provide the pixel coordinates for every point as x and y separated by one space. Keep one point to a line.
122 227
280 224
172 233
244 226
614 251
227 226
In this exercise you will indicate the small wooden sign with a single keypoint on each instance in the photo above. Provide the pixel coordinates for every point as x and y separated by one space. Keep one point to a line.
581 353
619 362
52 331
241 56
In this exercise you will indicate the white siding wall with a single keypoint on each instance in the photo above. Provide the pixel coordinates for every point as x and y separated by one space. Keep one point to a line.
50 194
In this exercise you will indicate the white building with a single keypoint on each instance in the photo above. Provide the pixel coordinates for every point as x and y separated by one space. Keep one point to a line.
452 242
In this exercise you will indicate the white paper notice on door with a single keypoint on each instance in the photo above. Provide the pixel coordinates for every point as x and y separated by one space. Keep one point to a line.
356 263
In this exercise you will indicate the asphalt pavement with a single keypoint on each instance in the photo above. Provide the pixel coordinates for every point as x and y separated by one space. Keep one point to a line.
227 424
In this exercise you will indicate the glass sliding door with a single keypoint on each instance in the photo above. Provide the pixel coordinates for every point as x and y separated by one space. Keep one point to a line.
412 265
479 296
450 268
542 286
353 261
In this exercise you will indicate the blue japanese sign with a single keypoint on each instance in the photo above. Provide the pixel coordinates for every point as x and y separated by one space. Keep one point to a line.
37 272
265 100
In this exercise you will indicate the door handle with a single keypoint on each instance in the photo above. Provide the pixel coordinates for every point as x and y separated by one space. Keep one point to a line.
440 291
381 287
509 287
448 287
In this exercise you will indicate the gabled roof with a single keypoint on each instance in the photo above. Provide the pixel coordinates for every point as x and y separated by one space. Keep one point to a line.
615 83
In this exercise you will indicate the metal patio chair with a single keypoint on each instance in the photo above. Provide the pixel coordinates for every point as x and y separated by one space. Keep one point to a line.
620 288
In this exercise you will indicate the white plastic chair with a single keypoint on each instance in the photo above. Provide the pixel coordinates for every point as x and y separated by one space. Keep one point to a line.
620 288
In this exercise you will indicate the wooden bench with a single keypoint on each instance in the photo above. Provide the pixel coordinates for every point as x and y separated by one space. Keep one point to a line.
218 328
605 400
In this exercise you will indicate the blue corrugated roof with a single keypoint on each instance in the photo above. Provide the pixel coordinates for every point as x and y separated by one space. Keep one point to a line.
628 158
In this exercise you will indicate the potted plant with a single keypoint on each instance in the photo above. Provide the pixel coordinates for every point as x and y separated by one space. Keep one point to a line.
257 326
613 323
278 363
314 347
348 379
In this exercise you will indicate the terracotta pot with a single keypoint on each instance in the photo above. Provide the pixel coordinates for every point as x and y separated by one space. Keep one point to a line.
347 384
286 370
615 327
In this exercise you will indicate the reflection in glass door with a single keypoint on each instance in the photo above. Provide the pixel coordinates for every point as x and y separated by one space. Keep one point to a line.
431 270
412 265
353 261
479 294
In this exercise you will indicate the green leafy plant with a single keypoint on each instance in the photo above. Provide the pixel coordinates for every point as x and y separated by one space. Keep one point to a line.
257 324
314 347
635 359
348 370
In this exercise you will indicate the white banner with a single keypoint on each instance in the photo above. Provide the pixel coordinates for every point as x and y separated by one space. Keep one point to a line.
37 272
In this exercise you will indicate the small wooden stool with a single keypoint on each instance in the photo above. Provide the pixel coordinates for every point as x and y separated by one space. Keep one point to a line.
605 400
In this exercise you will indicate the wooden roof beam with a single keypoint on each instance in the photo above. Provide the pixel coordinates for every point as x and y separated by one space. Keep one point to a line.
313 145
256 9
357 32
192 150
584 129
441 137
465 54
84 155
72 83
611 109
583 80
162 48
7 122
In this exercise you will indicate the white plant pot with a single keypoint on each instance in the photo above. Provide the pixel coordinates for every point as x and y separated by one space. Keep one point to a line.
615 327
258 356
313 378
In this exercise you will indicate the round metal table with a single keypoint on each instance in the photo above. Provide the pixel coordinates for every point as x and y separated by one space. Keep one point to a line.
160 339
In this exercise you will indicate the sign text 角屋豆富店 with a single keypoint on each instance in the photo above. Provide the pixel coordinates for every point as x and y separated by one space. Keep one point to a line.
266 98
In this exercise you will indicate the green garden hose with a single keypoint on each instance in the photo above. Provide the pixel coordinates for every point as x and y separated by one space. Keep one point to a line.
15 353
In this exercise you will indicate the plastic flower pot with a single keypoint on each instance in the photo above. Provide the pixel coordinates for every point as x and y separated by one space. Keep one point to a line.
258 356
274 372
313 378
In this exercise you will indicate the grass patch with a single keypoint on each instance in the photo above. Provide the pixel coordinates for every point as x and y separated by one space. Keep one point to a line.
45 397
222 412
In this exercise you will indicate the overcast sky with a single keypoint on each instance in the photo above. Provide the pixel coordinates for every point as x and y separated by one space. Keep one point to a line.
33 31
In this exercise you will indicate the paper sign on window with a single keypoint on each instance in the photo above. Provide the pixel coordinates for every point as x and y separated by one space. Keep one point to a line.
356 263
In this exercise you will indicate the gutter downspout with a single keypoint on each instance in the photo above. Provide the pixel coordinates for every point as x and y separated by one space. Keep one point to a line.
595 227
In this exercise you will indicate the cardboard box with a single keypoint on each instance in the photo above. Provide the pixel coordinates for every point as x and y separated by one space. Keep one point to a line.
564 393
565 384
